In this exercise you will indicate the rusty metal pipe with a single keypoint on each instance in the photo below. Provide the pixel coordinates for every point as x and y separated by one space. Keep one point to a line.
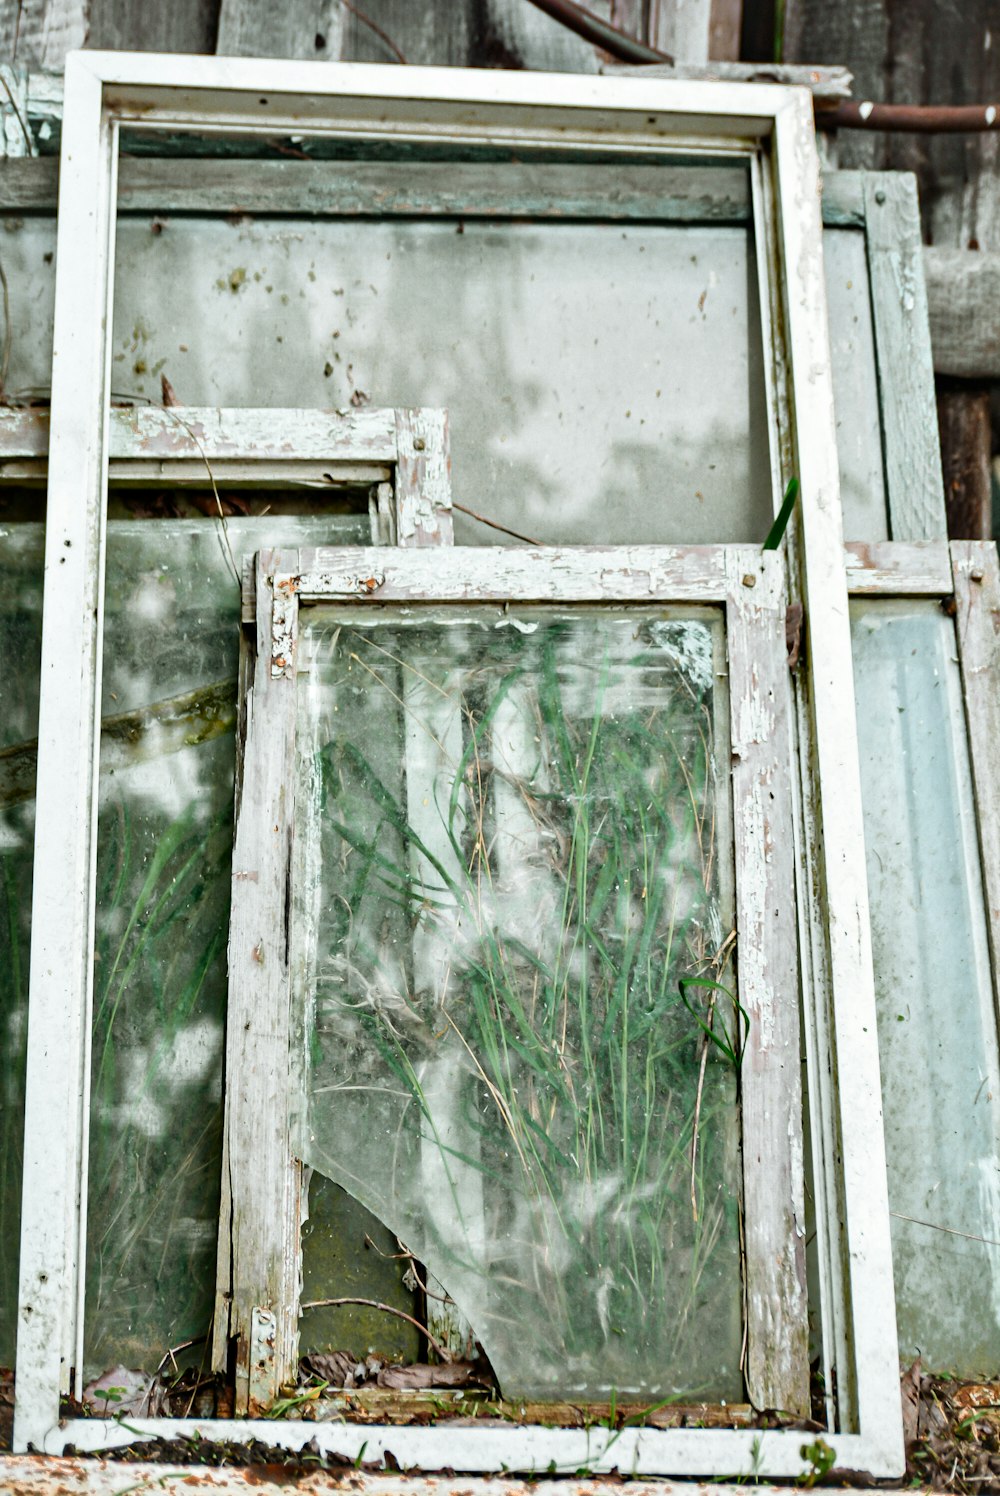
922 119
592 29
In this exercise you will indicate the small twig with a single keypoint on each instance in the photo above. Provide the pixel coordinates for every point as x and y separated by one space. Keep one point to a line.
373 26
697 1105
986 1241
494 525
171 411
172 1351
435 1345
405 1256
5 355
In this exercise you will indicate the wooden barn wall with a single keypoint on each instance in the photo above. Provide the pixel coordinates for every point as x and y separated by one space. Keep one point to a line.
473 33
924 52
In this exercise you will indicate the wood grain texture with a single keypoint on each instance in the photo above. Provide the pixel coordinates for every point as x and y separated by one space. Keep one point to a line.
39 33
894 568
977 625
963 297
260 1240
288 188
917 52
435 34
725 24
514 34
423 478
500 574
826 84
905 366
196 432
304 29
851 32
681 28
777 1364
966 444
138 26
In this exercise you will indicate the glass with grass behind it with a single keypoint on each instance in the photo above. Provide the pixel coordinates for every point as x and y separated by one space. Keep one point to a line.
517 1043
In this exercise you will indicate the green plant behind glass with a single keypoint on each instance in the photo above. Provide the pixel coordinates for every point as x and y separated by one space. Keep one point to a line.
582 1068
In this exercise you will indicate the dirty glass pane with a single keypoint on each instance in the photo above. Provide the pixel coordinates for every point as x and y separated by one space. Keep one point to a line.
605 380
163 874
937 1028
512 844
855 385
21 562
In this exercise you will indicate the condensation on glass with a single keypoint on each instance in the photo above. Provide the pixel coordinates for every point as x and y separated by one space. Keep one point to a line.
937 1025
512 844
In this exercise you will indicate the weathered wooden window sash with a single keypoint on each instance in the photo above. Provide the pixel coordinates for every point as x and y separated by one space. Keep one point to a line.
750 586
401 456
771 127
964 575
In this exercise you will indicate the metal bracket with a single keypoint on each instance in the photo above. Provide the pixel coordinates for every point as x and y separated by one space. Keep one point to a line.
263 1338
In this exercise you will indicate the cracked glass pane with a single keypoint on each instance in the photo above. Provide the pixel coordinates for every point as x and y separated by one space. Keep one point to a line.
512 848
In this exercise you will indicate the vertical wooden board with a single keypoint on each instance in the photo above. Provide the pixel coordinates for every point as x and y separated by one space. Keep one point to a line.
262 1179
966 458
39 33
977 624
128 26
905 365
435 32
514 34
851 32
724 27
681 28
301 28
630 16
777 1364
423 478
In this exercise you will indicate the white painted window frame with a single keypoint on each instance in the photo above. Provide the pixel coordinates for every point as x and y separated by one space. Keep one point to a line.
148 92
260 1260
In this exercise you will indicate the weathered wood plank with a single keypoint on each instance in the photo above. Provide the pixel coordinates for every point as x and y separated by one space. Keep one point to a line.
777 1365
500 574
828 85
852 31
724 29
39 33
963 295
905 366
896 568
423 478
501 190
302 28
514 34
390 30
680 28
966 451
180 26
217 188
194 433
260 1241
977 626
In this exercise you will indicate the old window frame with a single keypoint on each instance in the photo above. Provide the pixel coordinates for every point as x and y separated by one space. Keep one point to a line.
964 576
104 91
261 1247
